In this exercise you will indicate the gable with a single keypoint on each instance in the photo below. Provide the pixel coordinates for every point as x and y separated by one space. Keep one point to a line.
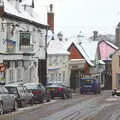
74 53
105 50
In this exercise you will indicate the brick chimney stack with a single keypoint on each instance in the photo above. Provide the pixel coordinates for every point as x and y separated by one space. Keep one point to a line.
117 35
50 18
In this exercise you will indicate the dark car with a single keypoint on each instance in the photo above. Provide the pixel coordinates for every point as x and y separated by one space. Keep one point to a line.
40 93
59 90
7 101
90 85
23 97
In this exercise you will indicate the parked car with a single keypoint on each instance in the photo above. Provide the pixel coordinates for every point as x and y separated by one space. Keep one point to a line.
59 90
90 85
23 97
116 92
40 93
7 101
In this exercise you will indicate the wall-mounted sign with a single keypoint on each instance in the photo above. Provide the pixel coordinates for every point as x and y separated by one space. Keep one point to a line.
2 67
11 44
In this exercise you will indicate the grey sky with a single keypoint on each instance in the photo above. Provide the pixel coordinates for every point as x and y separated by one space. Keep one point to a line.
72 16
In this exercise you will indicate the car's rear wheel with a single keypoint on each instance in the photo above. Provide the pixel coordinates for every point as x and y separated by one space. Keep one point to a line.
41 100
15 106
48 98
22 103
1 109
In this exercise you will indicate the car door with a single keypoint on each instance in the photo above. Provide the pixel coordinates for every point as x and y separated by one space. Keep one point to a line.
4 99
43 90
22 93
28 95
9 98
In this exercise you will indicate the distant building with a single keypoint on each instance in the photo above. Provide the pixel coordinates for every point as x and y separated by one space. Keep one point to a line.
105 49
98 37
116 70
57 62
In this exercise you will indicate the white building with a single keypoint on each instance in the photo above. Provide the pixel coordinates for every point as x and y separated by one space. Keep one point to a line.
57 62
22 41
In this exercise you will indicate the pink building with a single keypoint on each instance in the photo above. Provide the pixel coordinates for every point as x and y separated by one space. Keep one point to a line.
105 49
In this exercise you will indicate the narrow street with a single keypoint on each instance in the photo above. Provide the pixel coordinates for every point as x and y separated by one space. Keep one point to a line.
80 107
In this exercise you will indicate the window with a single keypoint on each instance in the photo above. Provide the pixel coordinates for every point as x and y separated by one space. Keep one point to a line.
12 90
19 74
119 60
59 76
24 38
11 75
64 76
4 90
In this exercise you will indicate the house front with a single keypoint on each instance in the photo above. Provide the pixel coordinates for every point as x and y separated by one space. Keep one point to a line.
105 49
57 62
22 41
116 70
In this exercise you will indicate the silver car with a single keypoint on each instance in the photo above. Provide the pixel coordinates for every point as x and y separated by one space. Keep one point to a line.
7 101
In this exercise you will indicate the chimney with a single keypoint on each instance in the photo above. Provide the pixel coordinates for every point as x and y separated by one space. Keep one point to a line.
50 18
117 35
1 8
95 35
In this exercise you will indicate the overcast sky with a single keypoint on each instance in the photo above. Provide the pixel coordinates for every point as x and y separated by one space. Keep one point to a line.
72 16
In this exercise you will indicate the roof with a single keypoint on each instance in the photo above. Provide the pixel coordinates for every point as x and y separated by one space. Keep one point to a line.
106 49
32 84
27 2
111 44
90 48
13 85
80 48
56 47
21 13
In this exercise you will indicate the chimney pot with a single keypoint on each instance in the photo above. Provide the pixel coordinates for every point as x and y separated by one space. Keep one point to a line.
51 7
95 35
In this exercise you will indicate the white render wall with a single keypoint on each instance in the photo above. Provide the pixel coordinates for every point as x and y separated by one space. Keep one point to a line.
58 69
27 68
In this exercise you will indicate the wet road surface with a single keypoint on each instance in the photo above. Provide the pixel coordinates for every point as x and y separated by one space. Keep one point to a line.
80 107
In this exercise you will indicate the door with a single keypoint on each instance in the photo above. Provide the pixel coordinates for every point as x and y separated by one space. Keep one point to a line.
74 79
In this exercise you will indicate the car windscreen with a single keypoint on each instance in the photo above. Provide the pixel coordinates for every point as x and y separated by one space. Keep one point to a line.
86 82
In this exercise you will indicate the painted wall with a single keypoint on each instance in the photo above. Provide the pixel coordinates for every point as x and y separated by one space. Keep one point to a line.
18 69
105 50
58 69
115 69
74 54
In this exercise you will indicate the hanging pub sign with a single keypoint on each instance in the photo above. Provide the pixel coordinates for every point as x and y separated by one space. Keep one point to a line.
2 67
